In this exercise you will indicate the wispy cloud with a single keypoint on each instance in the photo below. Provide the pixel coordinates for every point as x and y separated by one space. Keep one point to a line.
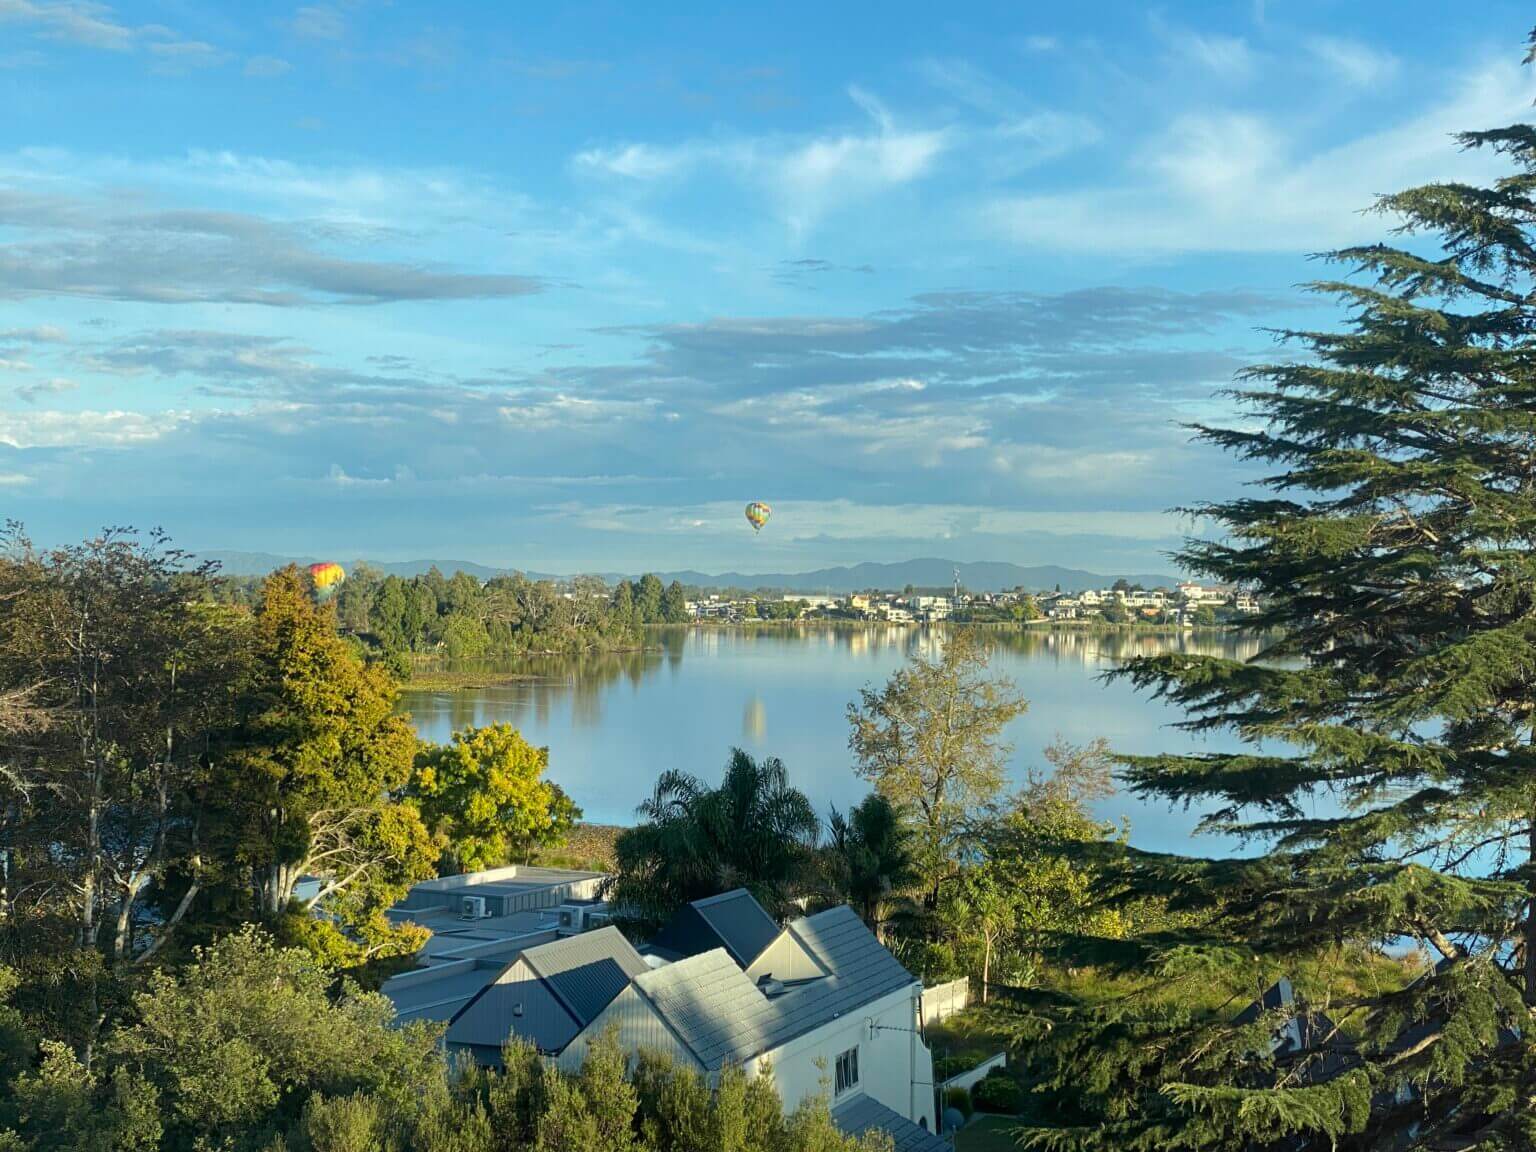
86 24
266 67
1232 181
318 22
89 248
1356 64
805 177
73 21
1227 57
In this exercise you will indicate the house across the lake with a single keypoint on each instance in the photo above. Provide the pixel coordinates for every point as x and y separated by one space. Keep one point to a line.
817 1004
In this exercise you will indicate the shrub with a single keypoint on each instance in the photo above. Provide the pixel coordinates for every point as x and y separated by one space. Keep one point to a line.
999 1092
946 1066
961 1099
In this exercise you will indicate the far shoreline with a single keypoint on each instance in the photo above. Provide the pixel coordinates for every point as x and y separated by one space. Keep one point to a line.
432 676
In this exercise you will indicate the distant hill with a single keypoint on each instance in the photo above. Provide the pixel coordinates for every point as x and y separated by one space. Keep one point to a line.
983 576
260 563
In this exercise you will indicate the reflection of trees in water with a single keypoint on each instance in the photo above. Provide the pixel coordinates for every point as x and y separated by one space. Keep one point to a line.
583 677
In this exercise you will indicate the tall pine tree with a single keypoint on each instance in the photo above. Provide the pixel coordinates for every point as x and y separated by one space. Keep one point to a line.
1387 780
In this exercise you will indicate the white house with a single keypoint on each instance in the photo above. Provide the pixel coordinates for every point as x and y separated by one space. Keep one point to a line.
819 1002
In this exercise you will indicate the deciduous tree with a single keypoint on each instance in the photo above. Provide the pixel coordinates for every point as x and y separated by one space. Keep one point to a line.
931 741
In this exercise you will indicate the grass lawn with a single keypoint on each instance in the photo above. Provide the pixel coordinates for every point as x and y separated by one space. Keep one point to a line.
987 1134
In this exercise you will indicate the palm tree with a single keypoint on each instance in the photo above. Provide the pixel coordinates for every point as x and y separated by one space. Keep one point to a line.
871 850
754 831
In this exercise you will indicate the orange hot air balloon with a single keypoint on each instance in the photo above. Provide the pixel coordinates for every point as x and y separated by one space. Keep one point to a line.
327 578
757 515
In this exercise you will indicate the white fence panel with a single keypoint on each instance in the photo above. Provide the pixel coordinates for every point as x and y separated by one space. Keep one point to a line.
943 1000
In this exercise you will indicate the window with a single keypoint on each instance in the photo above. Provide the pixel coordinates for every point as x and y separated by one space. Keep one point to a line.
847 1071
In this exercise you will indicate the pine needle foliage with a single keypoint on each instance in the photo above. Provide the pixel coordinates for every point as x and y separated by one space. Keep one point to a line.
1387 774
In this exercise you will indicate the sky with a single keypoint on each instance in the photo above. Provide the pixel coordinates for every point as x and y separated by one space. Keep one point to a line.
563 286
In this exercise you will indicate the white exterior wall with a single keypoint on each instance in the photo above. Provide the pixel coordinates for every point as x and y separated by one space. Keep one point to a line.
895 1066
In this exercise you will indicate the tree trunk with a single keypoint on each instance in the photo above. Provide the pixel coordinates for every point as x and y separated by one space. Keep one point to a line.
986 969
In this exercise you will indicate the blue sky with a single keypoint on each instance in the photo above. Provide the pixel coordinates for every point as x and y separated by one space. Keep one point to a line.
565 286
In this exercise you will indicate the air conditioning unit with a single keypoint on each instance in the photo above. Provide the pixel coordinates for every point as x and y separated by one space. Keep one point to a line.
575 918
473 908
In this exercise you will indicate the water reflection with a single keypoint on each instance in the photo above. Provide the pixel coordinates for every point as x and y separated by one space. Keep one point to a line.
614 721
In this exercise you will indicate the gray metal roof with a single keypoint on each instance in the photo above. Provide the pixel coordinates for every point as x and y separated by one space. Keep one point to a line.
549 993
863 1113
713 1006
440 998
732 920
587 970
744 928
721 1015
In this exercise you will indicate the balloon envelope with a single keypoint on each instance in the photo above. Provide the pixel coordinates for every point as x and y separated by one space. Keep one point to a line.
327 577
757 515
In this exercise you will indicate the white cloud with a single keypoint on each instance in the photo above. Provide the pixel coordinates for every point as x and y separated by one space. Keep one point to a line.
14 479
265 67
75 21
1227 181
1358 65
1227 57
805 177
809 520
51 387
317 22
639 161
56 429
42 334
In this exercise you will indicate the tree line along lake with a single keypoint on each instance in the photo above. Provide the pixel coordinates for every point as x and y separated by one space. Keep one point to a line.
614 722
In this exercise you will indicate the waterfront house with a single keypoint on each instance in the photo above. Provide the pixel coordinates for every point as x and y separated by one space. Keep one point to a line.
816 1004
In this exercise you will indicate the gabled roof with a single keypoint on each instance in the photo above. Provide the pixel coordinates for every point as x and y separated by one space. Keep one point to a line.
712 1006
549 993
732 920
720 1015
864 1113
1307 1033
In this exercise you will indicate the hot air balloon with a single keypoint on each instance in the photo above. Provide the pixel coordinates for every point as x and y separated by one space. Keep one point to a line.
757 515
327 578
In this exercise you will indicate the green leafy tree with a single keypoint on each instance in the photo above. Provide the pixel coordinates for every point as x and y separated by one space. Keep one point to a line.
931 742
648 597
674 604
118 670
753 831
322 750
484 796
1396 555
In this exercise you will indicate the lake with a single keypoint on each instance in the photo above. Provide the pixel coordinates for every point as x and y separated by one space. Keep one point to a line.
613 722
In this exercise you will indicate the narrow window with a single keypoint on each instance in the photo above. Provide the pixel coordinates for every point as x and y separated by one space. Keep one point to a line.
847 1071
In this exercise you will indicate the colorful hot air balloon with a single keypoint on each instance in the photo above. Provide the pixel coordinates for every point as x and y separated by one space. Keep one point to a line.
327 579
757 515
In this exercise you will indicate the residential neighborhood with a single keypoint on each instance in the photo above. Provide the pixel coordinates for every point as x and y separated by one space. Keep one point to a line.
817 1004
1185 605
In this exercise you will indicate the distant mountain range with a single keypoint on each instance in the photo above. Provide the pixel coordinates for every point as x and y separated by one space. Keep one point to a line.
982 576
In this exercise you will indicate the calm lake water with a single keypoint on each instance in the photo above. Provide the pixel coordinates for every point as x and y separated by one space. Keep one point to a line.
614 722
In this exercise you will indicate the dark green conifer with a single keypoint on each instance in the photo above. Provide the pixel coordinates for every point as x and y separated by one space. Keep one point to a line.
1387 782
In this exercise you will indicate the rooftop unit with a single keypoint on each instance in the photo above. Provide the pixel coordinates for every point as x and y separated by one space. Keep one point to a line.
583 916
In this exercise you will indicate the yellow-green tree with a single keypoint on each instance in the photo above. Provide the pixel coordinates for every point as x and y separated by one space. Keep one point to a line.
307 791
485 798
931 742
